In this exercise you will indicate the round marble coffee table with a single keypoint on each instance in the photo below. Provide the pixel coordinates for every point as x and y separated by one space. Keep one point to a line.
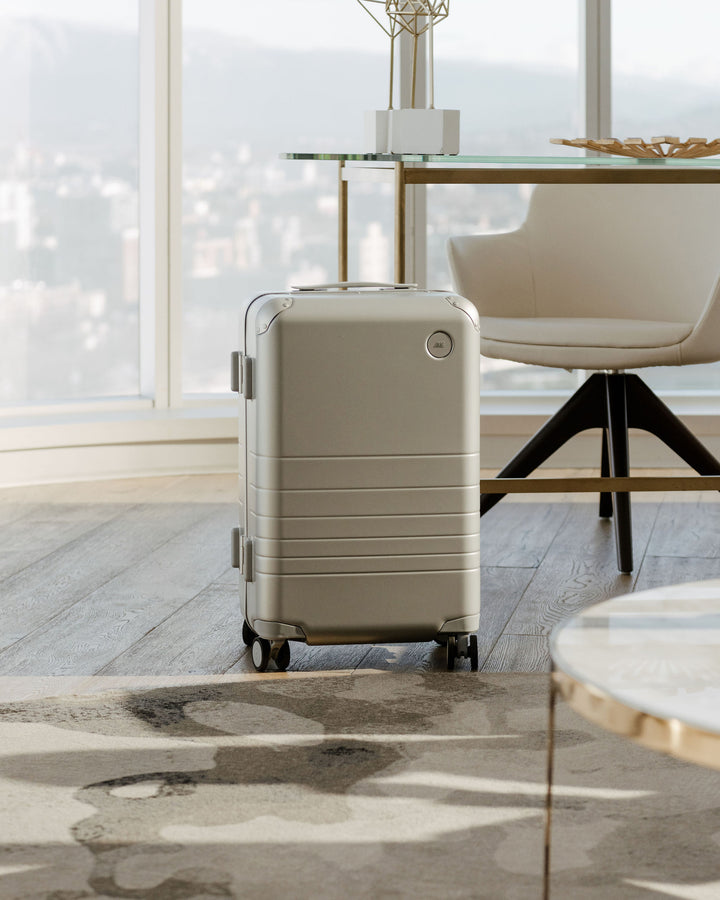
645 666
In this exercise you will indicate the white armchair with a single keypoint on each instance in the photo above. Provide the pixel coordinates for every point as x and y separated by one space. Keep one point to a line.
605 278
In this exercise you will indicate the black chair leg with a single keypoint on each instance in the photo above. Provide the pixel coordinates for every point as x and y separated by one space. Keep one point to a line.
613 403
585 409
647 411
605 510
619 457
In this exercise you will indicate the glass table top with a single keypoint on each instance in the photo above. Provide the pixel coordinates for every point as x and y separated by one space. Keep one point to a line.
627 162
657 652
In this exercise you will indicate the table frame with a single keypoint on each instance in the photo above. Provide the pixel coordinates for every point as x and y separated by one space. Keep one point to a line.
420 173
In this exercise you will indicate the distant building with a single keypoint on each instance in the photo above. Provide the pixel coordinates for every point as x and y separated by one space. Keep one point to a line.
374 254
131 265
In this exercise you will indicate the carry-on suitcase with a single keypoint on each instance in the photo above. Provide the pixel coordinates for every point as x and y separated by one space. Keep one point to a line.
359 469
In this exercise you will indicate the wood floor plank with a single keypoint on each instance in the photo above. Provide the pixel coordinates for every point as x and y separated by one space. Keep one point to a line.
230 577
501 590
126 491
221 487
44 529
687 529
519 534
69 511
519 653
11 512
658 571
579 569
202 637
65 616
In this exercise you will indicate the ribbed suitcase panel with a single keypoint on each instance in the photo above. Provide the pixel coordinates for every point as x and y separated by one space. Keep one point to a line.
362 526
365 501
353 564
384 546
347 472
368 607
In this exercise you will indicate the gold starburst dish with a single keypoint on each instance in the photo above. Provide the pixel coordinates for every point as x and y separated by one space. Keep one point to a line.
655 148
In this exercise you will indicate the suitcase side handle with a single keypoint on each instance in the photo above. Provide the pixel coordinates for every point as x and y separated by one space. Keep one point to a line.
344 285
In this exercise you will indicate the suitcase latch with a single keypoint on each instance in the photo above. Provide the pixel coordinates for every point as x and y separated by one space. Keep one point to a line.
247 377
235 372
248 559
236 548
242 375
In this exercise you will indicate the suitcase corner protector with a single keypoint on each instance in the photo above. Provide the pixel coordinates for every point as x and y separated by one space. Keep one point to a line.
273 631
463 625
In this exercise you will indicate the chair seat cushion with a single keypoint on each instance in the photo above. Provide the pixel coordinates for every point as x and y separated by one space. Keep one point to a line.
583 343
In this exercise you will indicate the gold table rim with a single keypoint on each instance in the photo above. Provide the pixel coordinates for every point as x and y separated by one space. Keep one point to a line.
666 734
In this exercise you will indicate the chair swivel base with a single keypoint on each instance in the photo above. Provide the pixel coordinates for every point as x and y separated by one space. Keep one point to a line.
613 402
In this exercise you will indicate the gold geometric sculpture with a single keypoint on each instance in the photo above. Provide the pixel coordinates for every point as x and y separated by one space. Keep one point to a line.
417 17
655 148
392 31
411 14
417 127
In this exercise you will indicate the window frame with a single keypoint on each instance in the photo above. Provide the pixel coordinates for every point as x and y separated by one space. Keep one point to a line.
160 141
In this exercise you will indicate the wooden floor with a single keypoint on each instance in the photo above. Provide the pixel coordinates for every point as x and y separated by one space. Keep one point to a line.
132 577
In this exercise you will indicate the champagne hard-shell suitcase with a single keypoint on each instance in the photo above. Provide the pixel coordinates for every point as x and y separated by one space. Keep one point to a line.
359 469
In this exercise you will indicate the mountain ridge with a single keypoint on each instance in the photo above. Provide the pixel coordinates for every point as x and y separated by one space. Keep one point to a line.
75 86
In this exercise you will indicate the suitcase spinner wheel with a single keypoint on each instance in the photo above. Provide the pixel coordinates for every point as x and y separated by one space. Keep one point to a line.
263 651
248 635
465 646
260 649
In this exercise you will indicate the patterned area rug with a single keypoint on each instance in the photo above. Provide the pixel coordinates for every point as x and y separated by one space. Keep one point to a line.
359 785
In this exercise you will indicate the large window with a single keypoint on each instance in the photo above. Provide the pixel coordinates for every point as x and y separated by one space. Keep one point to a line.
69 242
257 79
260 79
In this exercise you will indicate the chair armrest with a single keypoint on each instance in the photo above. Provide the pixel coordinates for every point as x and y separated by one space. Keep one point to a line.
494 272
702 345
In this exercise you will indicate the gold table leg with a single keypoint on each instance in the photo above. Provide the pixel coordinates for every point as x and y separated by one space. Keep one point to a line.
548 795
342 223
399 222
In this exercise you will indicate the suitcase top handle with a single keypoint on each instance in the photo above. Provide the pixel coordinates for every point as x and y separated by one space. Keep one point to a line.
341 285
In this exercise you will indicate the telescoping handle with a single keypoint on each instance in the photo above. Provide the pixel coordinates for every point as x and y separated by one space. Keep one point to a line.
356 285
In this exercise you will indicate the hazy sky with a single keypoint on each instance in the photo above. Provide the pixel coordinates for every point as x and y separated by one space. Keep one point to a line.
651 37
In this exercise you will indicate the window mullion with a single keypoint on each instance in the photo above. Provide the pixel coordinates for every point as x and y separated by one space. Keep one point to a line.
595 68
153 200
175 167
160 199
